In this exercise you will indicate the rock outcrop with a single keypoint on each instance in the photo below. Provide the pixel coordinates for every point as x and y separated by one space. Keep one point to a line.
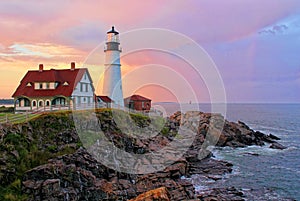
159 194
228 133
79 176
276 145
45 155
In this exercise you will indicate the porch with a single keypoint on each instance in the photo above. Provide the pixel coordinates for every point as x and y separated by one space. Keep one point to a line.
35 105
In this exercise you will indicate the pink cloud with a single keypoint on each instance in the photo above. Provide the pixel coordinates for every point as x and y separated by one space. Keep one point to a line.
202 20
213 21
81 25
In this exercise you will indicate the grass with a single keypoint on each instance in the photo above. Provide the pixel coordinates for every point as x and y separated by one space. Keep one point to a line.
13 192
16 118
6 109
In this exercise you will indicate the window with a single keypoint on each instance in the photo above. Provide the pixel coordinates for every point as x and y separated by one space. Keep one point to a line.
81 87
40 103
143 104
84 87
26 103
34 103
84 99
47 103
131 105
41 85
47 85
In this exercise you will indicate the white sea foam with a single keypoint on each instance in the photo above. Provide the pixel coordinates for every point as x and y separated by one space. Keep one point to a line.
269 128
200 182
227 152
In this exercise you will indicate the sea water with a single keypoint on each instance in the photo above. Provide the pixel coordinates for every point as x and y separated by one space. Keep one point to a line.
272 173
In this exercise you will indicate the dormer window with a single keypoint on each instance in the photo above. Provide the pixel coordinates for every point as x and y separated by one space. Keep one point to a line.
44 85
66 84
28 84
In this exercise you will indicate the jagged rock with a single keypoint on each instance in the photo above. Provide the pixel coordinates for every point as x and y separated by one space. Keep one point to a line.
179 190
273 137
160 194
209 166
80 176
176 117
228 133
276 145
242 124
77 176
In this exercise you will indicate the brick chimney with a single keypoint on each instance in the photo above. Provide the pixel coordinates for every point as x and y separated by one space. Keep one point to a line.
41 67
72 65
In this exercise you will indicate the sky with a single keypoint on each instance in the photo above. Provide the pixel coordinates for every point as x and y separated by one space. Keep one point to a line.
254 44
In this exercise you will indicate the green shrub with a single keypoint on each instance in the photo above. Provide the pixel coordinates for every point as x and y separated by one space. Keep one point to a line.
52 148
12 138
12 192
6 109
165 131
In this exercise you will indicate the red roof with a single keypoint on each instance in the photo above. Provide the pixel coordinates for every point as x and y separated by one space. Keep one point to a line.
137 98
71 76
105 99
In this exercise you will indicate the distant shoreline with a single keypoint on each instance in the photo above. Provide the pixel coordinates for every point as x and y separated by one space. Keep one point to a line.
6 102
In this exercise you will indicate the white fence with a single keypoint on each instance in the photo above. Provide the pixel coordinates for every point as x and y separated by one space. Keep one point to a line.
26 115
16 118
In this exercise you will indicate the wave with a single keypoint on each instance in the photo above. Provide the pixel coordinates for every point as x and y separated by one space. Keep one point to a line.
200 182
220 153
259 126
292 148
286 168
264 194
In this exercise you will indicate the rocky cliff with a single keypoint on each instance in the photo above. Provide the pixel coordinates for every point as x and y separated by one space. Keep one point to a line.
44 158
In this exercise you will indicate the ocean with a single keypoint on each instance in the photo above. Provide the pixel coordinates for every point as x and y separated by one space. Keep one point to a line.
272 174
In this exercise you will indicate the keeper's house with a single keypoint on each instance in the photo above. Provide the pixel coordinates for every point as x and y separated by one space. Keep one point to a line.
45 90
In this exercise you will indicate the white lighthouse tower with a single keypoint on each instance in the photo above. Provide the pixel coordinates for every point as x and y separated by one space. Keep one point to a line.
112 86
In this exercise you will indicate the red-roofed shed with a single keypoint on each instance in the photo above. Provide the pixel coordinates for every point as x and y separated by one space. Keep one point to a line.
138 102
104 101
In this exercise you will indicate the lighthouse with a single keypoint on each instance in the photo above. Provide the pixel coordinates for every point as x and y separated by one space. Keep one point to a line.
112 86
